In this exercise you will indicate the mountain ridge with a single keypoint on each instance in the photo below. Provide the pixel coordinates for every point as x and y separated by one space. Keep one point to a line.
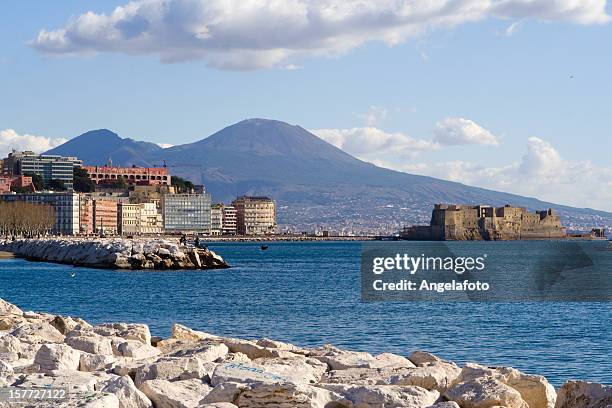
314 182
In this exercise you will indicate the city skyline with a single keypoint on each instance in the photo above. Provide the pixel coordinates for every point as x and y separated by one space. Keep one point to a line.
509 95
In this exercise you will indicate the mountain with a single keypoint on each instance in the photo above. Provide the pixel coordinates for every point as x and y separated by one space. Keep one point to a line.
314 182
96 147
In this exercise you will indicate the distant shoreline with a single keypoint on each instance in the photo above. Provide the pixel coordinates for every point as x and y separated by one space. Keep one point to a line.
6 255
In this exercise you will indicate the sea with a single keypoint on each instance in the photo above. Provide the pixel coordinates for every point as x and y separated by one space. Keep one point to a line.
308 293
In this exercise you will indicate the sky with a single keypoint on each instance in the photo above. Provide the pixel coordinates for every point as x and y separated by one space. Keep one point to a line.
512 95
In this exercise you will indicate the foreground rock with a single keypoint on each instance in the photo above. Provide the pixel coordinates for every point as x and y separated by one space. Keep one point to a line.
114 253
583 394
119 365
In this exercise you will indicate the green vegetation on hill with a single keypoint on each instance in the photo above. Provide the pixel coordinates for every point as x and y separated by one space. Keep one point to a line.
37 180
182 185
82 182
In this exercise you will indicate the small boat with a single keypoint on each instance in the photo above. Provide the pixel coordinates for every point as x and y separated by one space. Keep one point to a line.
264 247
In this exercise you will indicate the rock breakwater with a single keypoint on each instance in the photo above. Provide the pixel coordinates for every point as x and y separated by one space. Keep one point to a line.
120 365
115 253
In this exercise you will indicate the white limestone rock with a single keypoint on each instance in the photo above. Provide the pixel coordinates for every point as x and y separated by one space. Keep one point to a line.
180 332
95 362
372 396
420 358
10 344
250 348
205 350
288 395
7 308
584 394
179 394
93 344
101 400
433 376
297 368
534 389
485 392
127 393
359 376
75 381
6 370
172 369
65 324
278 345
338 359
224 392
136 350
245 373
75 400
57 357
445 404
128 331
37 332
236 358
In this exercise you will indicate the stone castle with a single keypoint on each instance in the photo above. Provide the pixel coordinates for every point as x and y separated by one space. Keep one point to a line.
481 222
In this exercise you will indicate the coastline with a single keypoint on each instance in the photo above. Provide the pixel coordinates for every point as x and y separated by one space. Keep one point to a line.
121 364
114 253
6 255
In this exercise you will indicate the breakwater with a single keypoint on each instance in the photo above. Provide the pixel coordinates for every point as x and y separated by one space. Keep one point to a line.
114 253
122 365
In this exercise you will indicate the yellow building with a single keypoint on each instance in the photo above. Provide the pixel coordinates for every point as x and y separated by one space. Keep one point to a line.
255 215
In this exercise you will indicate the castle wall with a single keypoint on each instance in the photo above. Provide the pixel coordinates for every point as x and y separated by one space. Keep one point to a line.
455 222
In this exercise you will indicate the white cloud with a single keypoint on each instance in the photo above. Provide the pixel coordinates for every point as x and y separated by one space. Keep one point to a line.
165 145
513 28
239 34
576 11
369 142
374 115
541 173
292 67
459 131
10 139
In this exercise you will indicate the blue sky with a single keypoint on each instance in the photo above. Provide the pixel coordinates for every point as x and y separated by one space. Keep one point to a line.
423 97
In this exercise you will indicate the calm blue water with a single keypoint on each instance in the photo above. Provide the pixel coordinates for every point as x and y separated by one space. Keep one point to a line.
309 294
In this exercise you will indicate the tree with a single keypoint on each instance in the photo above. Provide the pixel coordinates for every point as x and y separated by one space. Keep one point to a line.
37 180
21 190
120 183
56 185
182 185
82 182
26 219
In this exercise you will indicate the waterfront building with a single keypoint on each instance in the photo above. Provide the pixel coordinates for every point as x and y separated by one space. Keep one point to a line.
216 219
105 216
65 204
49 167
128 218
151 220
229 220
139 219
255 215
148 176
86 219
186 212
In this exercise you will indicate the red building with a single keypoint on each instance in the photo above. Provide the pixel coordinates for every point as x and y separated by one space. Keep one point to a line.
22 182
131 175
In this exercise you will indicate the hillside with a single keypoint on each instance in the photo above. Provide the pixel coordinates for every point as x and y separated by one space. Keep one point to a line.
97 146
313 182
